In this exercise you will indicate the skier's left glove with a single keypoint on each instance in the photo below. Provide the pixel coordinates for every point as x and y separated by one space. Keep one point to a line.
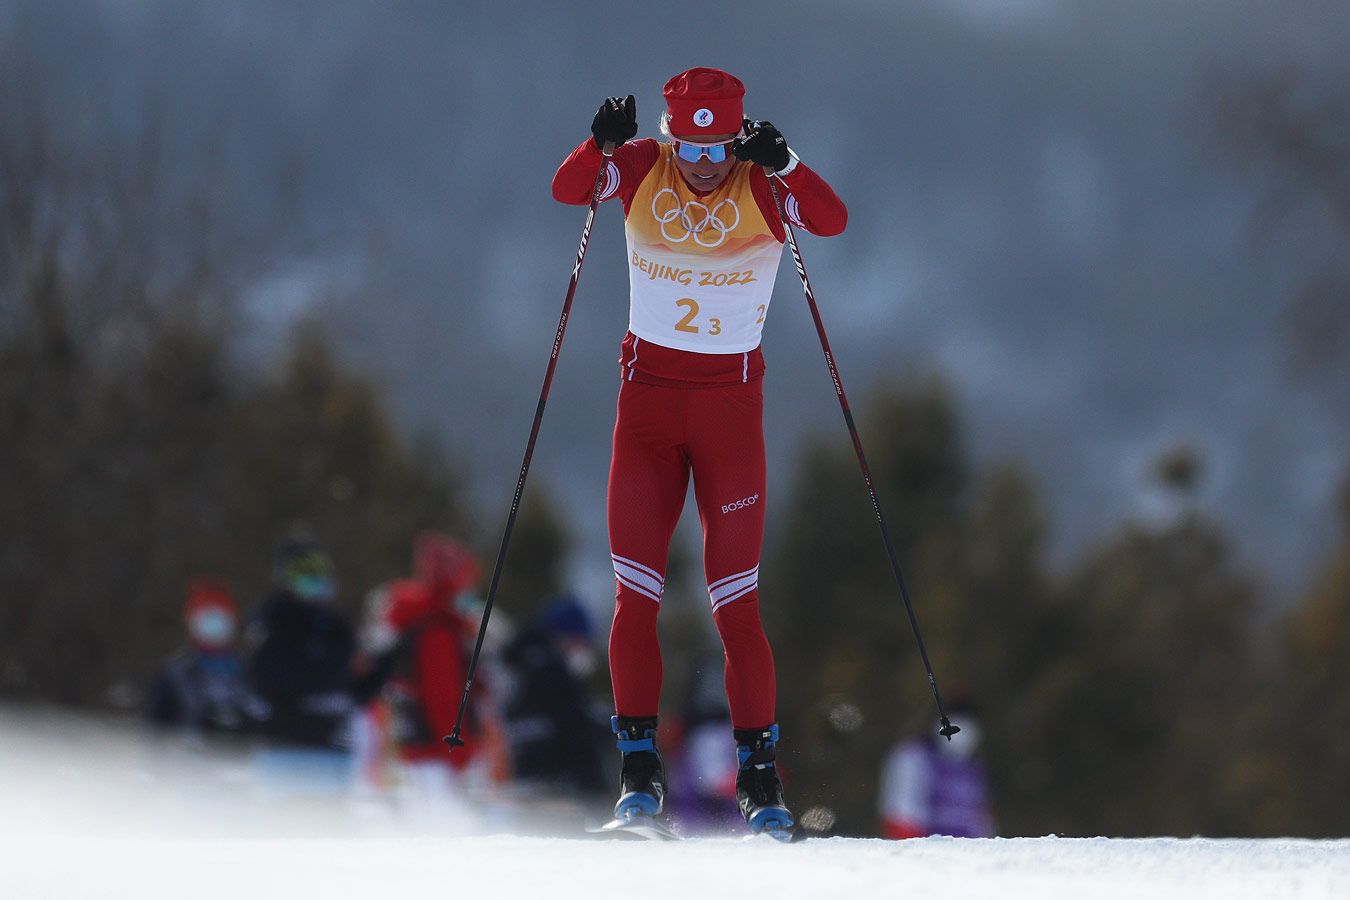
615 122
763 145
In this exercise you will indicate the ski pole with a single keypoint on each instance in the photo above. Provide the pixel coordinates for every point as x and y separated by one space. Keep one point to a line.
453 738
947 729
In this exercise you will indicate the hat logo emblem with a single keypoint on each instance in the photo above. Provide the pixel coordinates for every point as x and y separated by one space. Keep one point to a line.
703 117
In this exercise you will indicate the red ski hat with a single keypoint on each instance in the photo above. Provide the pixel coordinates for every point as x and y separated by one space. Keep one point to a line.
445 564
704 101
207 593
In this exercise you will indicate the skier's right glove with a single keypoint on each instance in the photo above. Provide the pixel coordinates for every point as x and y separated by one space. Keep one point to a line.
616 121
762 145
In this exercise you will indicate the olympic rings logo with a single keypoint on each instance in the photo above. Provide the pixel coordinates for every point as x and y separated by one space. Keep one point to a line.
707 226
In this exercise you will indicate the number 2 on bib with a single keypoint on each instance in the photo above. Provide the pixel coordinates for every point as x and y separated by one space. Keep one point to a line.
691 305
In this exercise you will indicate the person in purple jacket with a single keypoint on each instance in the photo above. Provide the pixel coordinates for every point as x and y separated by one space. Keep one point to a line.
937 787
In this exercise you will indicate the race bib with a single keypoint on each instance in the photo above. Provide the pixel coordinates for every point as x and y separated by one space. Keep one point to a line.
701 269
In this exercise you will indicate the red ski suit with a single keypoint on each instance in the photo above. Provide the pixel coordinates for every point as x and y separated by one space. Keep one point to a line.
701 267
436 667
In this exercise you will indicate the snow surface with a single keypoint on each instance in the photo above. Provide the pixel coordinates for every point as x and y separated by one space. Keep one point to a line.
91 811
502 866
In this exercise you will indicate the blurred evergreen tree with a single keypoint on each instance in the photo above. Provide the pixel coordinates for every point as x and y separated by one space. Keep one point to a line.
534 567
133 477
1316 722
1148 719
1124 699
1009 626
848 670
139 448
316 446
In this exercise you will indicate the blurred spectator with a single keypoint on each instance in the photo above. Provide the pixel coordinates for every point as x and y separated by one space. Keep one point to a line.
558 739
934 786
373 752
201 687
429 661
302 650
705 763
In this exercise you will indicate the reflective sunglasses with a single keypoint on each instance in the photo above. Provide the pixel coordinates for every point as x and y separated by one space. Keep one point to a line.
694 152
310 564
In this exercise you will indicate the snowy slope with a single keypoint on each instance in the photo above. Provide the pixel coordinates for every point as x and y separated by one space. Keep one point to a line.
89 810
505 866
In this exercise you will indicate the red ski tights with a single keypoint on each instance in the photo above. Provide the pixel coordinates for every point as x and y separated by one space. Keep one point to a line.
662 436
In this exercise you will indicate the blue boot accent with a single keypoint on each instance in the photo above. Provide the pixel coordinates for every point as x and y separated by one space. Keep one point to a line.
636 803
626 742
642 782
774 820
765 743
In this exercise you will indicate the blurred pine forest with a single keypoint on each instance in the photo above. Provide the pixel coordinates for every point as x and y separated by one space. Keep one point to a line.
1146 688
1144 691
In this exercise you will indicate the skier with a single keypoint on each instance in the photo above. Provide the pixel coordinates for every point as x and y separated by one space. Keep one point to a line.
704 241
557 738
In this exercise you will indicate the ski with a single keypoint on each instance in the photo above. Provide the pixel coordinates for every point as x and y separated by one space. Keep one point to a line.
792 835
644 827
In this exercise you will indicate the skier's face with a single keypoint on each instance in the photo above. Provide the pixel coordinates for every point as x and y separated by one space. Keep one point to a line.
706 175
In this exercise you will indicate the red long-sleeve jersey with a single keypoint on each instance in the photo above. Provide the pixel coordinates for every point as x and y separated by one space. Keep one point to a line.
692 300
809 202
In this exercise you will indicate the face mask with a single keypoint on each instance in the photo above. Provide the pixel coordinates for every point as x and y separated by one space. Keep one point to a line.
313 588
211 628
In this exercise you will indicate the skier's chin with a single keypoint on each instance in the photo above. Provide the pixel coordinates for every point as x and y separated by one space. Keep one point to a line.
705 182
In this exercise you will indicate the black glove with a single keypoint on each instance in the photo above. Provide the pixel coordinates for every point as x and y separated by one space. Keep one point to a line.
763 145
616 121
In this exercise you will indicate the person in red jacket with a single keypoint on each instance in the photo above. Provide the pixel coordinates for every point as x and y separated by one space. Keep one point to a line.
704 239
431 659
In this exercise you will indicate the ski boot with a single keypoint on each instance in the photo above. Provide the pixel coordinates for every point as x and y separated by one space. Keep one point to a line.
642 784
759 793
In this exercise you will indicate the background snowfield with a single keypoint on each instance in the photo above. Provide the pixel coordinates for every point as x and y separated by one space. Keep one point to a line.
500 866
92 810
